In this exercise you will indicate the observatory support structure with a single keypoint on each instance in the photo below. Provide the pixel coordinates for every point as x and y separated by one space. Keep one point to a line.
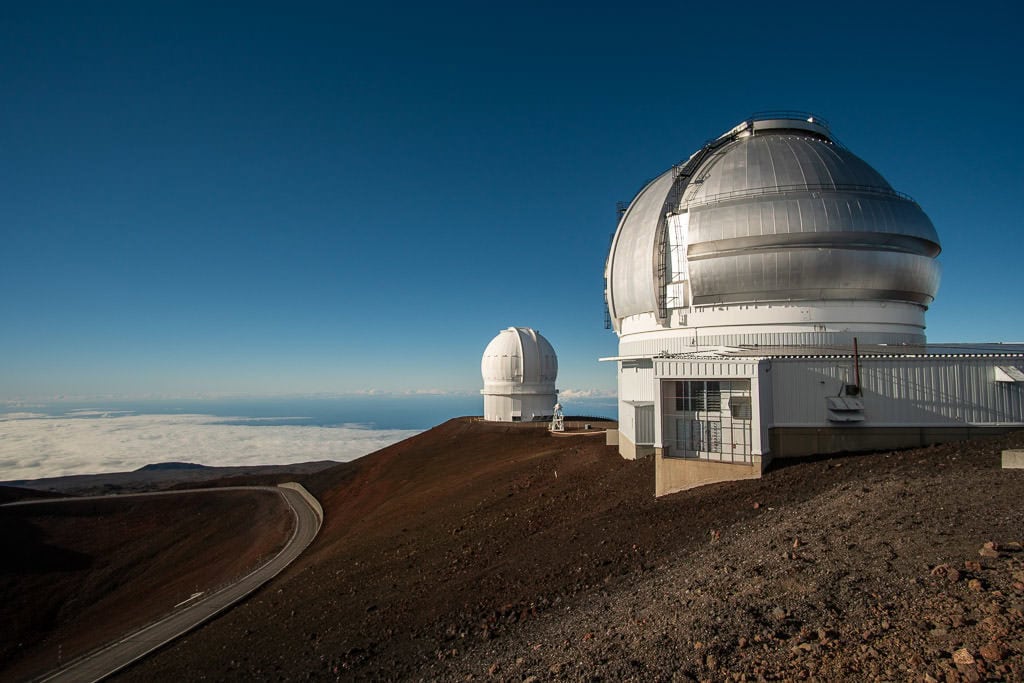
725 415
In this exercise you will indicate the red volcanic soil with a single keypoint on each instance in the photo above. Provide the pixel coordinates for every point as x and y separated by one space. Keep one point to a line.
75 575
485 551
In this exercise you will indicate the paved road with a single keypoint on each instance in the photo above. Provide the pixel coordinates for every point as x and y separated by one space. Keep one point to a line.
114 657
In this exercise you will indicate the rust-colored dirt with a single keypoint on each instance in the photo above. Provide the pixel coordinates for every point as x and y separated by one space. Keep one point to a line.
75 575
496 552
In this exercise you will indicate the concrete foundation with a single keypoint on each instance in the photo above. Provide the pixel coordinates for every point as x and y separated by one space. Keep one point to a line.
1013 460
611 437
672 475
631 451
788 442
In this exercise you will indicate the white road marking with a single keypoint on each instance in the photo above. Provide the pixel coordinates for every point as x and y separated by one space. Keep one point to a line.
188 599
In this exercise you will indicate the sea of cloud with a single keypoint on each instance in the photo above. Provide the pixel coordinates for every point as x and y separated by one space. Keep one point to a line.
34 445
583 395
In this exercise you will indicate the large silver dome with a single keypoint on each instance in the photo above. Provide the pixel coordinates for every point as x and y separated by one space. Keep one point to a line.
775 210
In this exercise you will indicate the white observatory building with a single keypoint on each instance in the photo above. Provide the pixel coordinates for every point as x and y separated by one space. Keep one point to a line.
769 295
519 368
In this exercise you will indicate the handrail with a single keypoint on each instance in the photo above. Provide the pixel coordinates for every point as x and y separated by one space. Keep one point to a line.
810 117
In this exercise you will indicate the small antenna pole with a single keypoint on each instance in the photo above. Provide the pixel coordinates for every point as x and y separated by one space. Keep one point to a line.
856 364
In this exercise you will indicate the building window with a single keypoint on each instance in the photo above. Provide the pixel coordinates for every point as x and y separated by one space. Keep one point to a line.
739 407
708 419
698 396
702 435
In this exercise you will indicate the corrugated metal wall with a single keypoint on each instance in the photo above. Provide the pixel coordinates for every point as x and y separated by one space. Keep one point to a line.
636 384
636 381
627 422
897 391
706 369
500 408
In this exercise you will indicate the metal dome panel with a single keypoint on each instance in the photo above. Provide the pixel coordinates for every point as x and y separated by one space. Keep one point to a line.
795 217
813 212
820 274
780 162
519 356
631 264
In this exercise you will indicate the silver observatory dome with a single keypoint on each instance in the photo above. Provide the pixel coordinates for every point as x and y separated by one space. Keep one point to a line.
772 211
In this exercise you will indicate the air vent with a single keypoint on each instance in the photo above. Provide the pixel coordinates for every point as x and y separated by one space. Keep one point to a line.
844 409
1008 373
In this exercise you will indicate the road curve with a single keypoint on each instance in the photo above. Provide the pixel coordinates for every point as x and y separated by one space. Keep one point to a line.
101 663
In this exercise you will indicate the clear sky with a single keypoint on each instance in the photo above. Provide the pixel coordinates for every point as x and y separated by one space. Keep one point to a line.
296 198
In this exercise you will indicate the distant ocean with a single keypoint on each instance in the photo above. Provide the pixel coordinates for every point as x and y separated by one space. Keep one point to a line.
83 437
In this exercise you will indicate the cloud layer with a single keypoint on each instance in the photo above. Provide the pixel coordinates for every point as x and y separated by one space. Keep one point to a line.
566 394
32 446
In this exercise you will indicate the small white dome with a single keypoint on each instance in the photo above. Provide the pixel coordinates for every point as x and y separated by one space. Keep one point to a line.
519 369
519 355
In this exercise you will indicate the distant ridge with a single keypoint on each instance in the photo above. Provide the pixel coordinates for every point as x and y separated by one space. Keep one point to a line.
9 494
156 467
161 476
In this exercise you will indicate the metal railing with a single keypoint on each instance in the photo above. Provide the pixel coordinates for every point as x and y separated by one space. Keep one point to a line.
784 189
793 114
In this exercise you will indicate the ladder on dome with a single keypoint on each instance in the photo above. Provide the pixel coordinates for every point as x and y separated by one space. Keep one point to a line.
620 211
683 178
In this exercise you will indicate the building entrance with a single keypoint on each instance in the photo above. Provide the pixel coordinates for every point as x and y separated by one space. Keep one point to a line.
708 419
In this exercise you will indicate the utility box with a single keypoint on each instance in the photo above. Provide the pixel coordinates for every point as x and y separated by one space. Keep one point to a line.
1013 460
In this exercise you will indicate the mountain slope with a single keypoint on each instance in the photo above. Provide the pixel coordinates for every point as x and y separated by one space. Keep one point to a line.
77 574
472 547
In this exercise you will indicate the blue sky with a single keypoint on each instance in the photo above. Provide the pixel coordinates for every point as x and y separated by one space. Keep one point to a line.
303 198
